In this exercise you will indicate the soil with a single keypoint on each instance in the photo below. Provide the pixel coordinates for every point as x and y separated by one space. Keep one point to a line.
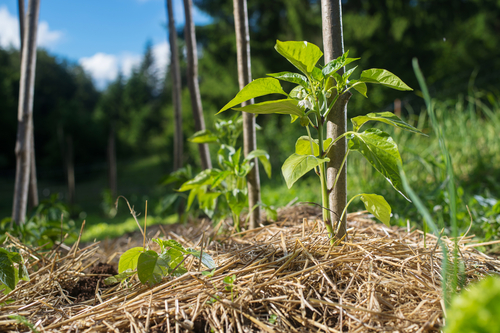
86 287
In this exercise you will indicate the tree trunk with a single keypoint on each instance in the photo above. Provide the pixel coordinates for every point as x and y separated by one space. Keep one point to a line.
333 45
194 89
25 114
176 87
33 185
249 135
111 152
70 169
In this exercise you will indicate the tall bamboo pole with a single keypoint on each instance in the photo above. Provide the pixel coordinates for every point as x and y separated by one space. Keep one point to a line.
333 45
194 88
25 114
249 135
176 87
33 184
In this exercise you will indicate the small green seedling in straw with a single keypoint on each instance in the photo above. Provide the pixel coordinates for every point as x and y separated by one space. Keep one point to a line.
312 99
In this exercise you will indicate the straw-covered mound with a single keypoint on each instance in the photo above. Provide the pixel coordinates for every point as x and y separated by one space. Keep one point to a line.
287 279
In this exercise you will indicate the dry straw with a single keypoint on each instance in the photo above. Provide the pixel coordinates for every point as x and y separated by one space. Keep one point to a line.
288 279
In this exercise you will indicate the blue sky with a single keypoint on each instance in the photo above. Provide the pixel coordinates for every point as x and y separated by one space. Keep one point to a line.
104 36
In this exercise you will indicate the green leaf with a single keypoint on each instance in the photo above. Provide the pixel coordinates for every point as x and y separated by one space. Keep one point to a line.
377 205
203 178
385 117
208 202
317 74
359 87
296 166
256 88
280 106
291 77
149 268
203 136
237 201
128 260
336 64
206 259
263 157
230 279
7 271
169 243
176 259
119 277
298 92
303 146
382 153
302 55
347 74
383 77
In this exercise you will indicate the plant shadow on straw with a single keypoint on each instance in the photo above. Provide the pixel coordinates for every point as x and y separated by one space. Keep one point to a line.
450 276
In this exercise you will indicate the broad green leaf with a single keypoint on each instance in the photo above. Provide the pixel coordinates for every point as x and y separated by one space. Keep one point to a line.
383 77
359 87
291 77
193 194
296 166
208 202
148 268
263 157
128 260
119 277
206 259
256 88
385 117
303 146
302 55
377 205
7 271
176 260
382 153
203 136
203 178
281 106
220 178
336 64
237 201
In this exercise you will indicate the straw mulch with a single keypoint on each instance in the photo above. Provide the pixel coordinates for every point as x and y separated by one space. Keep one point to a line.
288 279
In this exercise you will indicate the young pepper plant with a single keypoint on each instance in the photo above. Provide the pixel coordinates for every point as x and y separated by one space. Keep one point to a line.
228 181
316 91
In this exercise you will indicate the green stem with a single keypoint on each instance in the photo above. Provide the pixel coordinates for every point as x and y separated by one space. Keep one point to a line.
324 188
341 166
345 209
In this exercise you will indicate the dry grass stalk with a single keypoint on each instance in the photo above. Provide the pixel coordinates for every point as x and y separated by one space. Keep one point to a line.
288 279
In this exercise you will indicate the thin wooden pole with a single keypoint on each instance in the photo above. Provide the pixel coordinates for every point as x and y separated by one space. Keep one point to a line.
25 114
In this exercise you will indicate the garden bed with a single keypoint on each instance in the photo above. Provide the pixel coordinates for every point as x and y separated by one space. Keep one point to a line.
287 279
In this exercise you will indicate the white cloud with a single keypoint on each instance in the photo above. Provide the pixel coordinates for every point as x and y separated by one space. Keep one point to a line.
161 55
9 31
9 28
104 68
46 37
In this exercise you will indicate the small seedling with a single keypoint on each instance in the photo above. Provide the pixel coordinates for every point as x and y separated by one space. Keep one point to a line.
151 266
313 98
229 281
12 269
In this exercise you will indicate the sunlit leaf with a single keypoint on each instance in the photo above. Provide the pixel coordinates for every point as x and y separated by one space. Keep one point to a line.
383 77
385 117
291 77
128 260
382 153
203 136
263 157
256 88
296 166
303 55
378 206
280 106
